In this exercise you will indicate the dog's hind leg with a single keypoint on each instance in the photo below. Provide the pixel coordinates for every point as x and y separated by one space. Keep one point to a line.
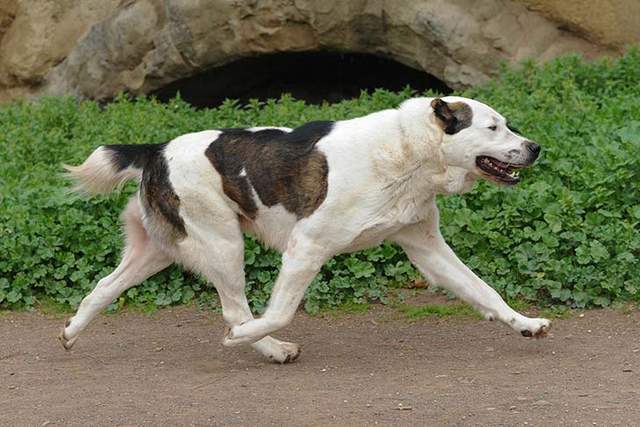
219 256
300 263
141 259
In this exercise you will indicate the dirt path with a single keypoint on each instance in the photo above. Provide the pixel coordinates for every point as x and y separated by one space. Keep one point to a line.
361 369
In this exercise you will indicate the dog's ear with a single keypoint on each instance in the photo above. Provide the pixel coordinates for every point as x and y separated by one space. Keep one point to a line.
453 116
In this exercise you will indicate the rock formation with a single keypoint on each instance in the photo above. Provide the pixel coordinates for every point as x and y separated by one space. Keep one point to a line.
96 48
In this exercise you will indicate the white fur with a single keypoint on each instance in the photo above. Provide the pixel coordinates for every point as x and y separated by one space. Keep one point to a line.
385 170
97 174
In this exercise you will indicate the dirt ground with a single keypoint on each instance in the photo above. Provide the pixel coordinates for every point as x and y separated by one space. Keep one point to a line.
169 368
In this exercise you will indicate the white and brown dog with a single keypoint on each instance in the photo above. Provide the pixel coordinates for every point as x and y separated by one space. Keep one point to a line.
311 192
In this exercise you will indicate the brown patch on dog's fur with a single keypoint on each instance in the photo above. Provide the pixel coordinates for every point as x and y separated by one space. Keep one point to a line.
160 200
281 167
452 116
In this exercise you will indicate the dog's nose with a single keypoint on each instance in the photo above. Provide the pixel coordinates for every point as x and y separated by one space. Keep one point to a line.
533 148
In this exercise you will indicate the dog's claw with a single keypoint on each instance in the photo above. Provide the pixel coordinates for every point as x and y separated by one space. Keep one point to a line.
541 332
66 343
292 353
292 357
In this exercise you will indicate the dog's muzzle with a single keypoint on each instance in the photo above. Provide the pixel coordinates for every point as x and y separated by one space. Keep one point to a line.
534 151
506 172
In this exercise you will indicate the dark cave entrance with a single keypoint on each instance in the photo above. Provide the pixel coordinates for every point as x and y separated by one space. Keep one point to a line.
312 76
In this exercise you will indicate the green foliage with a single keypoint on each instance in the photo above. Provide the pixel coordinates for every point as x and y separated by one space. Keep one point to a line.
415 312
55 246
568 233
556 312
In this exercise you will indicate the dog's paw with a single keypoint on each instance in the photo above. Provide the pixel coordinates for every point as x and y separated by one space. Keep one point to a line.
247 332
66 343
227 337
538 328
288 353
232 339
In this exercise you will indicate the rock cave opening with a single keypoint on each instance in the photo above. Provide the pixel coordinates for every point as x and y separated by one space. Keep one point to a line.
312 76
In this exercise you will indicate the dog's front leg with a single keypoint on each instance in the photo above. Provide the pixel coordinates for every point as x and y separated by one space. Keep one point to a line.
426 248
300 263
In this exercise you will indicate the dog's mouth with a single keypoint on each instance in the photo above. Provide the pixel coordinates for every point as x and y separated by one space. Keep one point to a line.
501 172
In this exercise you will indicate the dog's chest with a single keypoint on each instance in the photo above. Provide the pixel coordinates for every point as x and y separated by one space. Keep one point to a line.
372 236
387 222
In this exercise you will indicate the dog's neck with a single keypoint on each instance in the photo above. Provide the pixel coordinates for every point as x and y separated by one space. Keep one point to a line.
421 159
457 180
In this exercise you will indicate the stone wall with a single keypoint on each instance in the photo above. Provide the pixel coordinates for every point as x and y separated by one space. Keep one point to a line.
95 48
604 22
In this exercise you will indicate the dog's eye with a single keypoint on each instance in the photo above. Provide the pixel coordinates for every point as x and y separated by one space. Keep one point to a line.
493 127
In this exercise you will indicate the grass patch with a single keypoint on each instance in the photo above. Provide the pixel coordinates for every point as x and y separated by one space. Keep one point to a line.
353 307
567 235
557 312
415 312
346 308
51 307
519 305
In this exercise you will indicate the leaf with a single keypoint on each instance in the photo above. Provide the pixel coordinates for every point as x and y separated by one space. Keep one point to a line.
598 251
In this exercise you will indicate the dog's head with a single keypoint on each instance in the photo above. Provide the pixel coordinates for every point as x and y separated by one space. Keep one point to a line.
479 139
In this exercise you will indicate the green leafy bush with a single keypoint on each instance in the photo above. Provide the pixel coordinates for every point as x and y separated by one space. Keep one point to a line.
568 233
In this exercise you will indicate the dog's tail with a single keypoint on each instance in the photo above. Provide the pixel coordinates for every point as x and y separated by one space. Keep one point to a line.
110 166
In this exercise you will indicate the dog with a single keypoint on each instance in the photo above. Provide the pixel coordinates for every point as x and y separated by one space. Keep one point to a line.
312 192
